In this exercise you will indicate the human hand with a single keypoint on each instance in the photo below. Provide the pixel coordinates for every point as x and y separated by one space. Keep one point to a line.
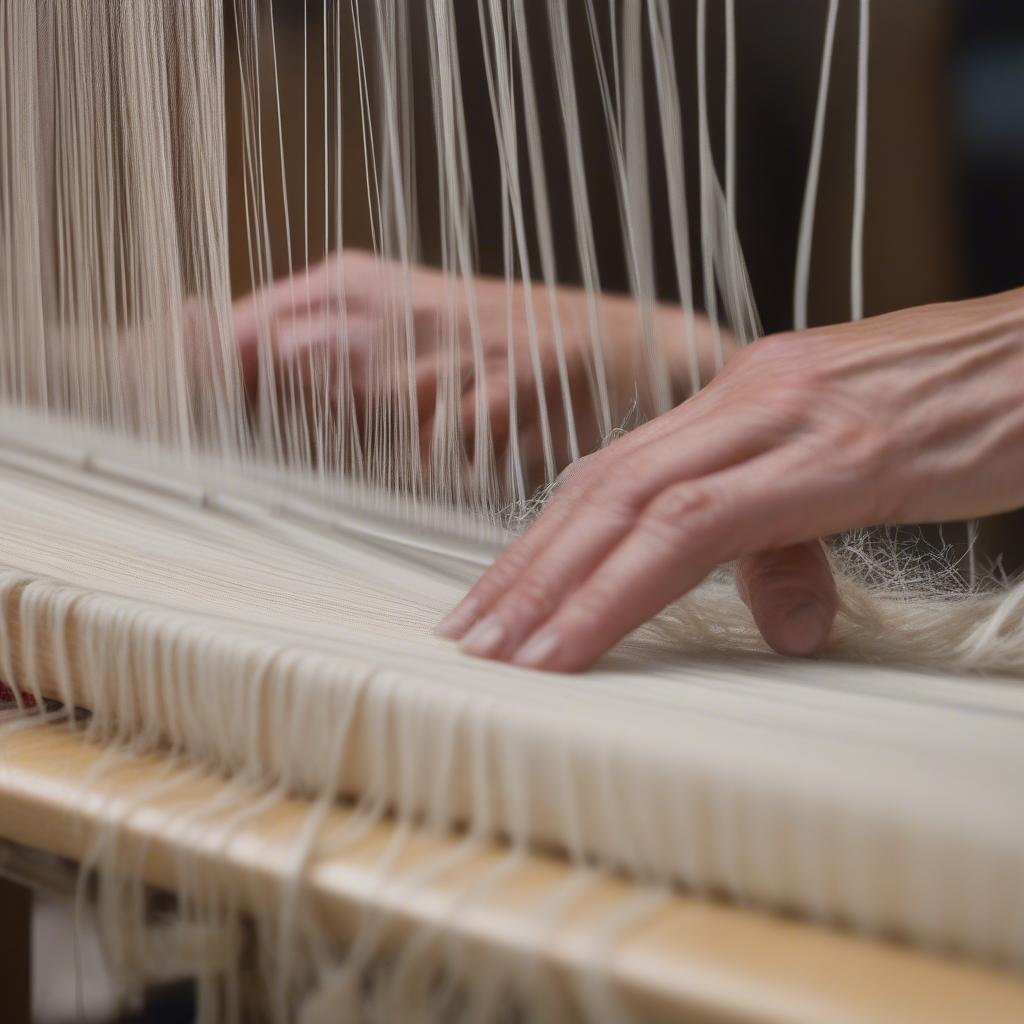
347 310
917 416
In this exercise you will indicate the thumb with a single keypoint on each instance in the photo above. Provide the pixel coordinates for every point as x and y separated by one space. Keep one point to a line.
792 596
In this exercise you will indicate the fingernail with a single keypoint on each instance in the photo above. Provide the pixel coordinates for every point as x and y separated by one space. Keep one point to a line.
806 628
485 639
455 624
538 649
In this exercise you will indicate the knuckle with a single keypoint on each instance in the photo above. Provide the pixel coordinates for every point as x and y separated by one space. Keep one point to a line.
864 445
602 493
533 598
580 474
618 482
783 359
785 409
591 606
785 406
501 575
807 379
684 510
610 511
768 351
788 401
617 476
849 446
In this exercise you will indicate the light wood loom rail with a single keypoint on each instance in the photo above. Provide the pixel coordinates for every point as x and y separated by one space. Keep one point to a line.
691 960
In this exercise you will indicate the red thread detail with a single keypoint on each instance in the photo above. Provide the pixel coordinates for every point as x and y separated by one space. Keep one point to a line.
7 697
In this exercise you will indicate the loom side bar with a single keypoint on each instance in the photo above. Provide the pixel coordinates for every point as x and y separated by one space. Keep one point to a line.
690 959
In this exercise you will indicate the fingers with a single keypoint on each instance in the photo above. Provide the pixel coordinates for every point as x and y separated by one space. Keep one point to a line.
679 538
591 514
351 282
313 347
292 297
259 318
792 595
588 600
351 277
494 402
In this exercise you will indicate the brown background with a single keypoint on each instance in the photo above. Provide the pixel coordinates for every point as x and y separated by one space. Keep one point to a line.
916 229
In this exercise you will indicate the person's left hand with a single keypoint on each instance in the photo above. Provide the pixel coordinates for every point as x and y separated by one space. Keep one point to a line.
501 338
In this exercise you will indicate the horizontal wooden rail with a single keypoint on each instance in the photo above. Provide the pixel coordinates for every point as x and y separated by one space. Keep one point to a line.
688 959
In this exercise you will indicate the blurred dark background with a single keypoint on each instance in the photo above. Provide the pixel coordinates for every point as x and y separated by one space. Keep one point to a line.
946 175
986 76
945 215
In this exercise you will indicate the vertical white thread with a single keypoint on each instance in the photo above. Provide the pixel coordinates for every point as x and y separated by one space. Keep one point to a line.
810 204
861 166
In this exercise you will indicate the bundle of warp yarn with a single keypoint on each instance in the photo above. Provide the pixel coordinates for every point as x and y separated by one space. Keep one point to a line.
238 558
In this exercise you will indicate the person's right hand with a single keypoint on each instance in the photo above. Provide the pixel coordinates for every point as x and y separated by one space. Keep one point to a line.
913 417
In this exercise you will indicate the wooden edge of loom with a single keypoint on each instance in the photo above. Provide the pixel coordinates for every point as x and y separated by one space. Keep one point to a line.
688 960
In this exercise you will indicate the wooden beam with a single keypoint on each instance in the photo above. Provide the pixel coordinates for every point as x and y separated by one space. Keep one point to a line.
689 959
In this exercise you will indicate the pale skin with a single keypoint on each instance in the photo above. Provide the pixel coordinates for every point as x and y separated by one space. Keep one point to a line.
341 306
917 416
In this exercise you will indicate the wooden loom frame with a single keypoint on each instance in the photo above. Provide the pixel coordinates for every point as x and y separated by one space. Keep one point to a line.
693 960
